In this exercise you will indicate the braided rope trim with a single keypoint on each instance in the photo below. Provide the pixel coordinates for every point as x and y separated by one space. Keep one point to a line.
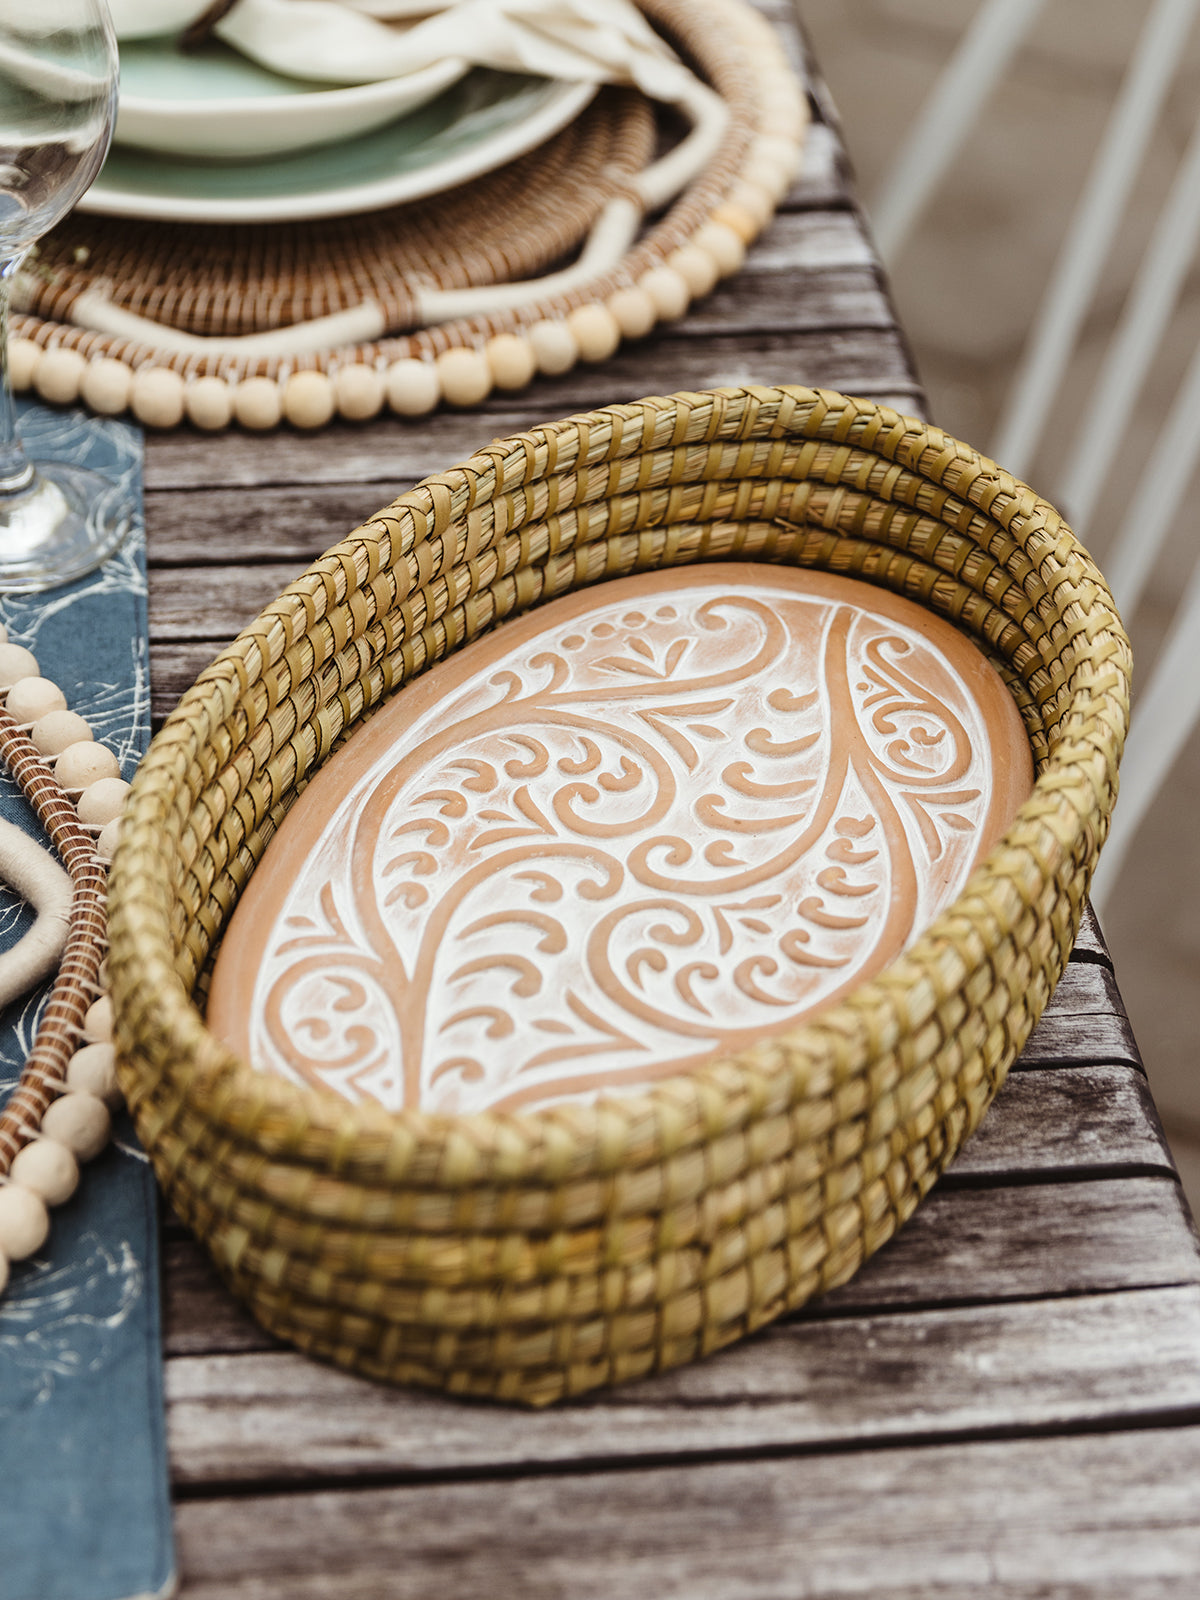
78 980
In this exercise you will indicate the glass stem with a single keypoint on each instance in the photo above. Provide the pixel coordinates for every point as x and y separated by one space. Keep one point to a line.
16 471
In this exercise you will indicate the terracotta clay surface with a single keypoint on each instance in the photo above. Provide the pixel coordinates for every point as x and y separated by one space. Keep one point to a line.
649 822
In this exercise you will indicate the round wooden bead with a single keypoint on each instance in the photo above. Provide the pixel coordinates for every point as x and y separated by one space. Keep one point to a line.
23 357
81 1122
107 386
723 244
24 1221
696 267
31 698
98 1021
792 116
108 839
359 391
634 312
84 763
257 403
668 291
157 397
770 176
53 733
93 1070
554 347
412 387
308 399
16 663
596 331
747 199
47 1169
101 801
774 147
209 403
510 360
464 375
58 375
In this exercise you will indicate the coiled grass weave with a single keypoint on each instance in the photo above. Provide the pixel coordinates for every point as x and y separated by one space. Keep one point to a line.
530 1257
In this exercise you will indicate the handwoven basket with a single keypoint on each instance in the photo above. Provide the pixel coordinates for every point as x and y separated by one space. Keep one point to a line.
532 1256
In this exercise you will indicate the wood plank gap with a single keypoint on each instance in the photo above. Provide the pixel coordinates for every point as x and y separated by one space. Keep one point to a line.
1027 1177
822 1310
1155 1421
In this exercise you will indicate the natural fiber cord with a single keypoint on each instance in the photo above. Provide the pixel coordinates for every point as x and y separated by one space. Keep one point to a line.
528 1257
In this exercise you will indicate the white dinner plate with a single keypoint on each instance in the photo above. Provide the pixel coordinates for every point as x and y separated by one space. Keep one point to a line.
214 102
484 120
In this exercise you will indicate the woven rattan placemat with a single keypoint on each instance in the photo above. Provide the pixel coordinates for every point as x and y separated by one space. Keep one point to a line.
403 340
232 279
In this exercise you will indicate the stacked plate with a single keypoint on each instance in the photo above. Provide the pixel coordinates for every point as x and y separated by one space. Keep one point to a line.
210 136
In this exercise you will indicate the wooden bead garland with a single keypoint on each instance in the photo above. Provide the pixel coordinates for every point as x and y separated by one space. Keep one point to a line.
60 1115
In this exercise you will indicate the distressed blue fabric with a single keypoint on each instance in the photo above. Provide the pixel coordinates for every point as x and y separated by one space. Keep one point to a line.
84 1498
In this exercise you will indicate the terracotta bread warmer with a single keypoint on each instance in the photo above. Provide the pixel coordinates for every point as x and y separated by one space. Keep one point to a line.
555 1233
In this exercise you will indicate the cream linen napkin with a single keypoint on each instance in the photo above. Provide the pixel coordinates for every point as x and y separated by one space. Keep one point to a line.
364 41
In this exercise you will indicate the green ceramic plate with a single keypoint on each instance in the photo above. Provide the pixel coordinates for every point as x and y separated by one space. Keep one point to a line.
482 121
215 103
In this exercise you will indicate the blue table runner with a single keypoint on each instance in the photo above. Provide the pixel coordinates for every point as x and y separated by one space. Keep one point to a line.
84 1497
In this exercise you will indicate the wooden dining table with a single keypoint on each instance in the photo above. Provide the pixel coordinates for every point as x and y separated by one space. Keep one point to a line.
1005 1401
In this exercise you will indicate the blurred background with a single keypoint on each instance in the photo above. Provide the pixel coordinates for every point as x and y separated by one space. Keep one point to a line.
967 286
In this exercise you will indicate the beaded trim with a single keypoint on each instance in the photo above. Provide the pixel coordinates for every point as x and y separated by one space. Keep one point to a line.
60 1114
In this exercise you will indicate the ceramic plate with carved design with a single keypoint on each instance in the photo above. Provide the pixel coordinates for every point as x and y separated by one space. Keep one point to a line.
645 824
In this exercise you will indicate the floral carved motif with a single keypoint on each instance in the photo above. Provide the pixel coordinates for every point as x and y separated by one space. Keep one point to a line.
644 825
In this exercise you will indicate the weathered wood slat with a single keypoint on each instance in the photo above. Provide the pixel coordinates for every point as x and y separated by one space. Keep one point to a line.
213 603
844 297
810 242
1084 1021
822 181
173 670
383 451
969 1371
1090 945
1031 1240
1110 1515
222 527
1073 1119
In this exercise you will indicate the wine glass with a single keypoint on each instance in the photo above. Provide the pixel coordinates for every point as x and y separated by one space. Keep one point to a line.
58 95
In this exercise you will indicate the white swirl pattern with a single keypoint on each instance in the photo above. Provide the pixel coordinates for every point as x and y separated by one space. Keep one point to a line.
643 826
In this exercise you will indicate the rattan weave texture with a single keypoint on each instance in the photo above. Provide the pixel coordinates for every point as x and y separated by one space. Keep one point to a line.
529 1257
237 280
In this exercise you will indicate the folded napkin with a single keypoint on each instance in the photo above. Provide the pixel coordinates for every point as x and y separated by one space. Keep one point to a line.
363 41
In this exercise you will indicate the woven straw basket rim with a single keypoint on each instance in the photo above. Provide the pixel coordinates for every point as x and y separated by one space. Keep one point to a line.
907 1062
